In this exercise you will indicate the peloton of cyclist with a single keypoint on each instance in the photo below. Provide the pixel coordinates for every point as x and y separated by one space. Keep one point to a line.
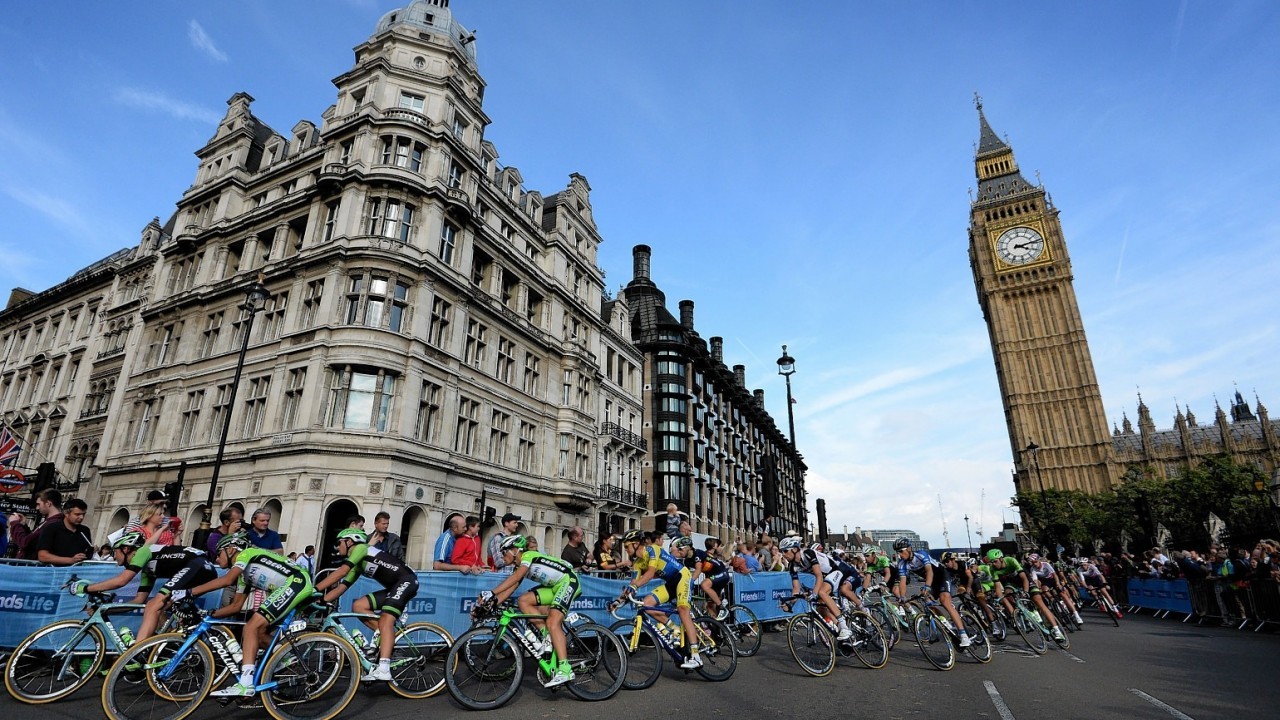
1096 582
1008 568
1051 580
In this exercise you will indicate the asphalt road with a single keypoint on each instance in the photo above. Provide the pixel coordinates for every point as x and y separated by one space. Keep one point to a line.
1146 669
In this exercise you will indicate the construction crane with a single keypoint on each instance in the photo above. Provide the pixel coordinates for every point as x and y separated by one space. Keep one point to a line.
945 535
982 506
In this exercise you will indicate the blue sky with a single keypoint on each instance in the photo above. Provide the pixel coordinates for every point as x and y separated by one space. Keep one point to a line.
800 170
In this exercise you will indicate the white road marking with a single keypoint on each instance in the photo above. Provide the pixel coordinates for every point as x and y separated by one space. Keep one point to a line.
1162 705
1072 656
999 701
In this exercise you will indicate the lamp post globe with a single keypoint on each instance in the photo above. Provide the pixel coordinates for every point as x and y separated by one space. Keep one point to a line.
787 368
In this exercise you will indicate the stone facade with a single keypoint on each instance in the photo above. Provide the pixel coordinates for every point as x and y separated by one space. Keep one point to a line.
433 330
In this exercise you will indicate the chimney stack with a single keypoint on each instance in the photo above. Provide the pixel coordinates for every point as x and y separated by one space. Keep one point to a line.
686 314
760 398
740 375
640 261
717 349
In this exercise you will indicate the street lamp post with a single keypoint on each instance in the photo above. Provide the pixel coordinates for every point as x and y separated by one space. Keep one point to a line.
1034 449
966 531
255 296
787 368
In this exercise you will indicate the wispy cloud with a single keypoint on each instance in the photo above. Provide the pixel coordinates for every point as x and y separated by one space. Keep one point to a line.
202 42
147 100
60 210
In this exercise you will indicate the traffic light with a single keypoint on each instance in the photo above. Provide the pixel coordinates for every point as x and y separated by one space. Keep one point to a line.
172 493
489 514
46 478
822 519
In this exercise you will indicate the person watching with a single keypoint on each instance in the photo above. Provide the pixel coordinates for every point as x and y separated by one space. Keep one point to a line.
67 542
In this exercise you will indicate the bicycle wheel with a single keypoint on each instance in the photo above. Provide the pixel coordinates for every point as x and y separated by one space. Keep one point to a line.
1029 629
934 642
745 626
483 670
1112 610
869 643
54 661
149 683
417 660
644 654
1061 638
892 633
812 644
716 648
979 643
598 659
316 675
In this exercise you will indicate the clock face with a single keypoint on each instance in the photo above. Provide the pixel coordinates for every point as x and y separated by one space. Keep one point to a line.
1020 245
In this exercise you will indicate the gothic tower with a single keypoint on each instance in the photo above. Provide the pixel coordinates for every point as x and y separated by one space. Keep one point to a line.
1022 272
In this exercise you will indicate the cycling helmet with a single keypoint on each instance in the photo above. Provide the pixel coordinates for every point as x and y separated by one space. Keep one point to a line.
791 542
948 556
971 562
870 549
816 547
681 542
239 540
355 535
633 536
1033 557
994 554
129 540
902 544
514 542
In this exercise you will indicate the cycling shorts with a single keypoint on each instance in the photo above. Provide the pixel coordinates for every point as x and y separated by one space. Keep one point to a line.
196 572
675 588
285 598
560 595
1094 582
394 599
942 584
719 581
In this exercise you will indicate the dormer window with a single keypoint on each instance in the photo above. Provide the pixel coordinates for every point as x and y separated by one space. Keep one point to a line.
412 102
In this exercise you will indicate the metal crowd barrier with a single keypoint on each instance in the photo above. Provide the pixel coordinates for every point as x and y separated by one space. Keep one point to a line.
1257 604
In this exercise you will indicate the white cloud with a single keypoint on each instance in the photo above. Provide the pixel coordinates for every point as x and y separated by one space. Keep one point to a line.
202 42
147 100
59 210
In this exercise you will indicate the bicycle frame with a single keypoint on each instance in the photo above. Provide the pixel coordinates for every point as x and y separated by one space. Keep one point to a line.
203 631
511 615
645 618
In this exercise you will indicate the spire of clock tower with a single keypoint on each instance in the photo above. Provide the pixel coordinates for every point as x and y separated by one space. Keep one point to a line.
998 175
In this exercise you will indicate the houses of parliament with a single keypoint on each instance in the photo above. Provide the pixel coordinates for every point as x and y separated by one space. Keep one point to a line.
1058 433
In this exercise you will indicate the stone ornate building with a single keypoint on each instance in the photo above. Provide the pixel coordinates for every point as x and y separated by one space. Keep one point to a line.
1052 403
713 449
433 329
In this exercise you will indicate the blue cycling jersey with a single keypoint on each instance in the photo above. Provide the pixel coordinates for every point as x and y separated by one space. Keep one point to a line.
918 561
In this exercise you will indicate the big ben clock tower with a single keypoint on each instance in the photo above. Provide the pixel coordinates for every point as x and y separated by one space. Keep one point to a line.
1022 271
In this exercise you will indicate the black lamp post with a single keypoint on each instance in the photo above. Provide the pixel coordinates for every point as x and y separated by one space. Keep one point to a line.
255 297
1034 449
787 368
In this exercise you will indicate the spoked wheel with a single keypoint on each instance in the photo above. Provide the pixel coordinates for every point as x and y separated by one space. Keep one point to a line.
151 681
598 659
999 629
483 671
979 643
53 662
934 642
316 676
745 626
1111 609
868 640
892 632
717 649
812 644
417 660
1029 629
644 654
1062 639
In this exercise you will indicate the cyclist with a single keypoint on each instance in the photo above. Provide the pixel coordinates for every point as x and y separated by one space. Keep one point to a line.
557 586
826 578
1096 582
878 565
650 562
1051 581
253 568
715 572
1009 568
983 583
184 567
951 575
399 586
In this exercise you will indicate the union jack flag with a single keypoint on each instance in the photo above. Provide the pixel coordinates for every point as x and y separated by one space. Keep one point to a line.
9 447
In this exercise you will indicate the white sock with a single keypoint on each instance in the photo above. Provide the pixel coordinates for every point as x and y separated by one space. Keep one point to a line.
384 664
246 675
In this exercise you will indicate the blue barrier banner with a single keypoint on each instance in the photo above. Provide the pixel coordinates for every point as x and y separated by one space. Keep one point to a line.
32 596
762 592
1171 595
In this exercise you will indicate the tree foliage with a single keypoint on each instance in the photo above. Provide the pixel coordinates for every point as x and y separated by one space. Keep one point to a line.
1143 502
